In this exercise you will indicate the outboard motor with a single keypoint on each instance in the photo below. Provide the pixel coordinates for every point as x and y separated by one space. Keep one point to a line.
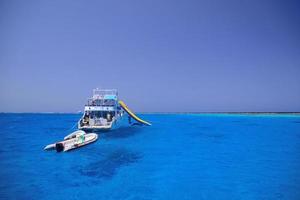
59 147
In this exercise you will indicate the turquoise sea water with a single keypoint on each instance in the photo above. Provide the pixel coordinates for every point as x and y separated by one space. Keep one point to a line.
184 156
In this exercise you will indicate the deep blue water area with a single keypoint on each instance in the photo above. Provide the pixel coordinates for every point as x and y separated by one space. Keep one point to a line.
181 156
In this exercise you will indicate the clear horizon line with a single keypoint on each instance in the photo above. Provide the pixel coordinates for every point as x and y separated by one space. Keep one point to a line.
156 112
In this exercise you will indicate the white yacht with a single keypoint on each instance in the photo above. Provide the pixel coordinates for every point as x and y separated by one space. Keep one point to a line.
102 111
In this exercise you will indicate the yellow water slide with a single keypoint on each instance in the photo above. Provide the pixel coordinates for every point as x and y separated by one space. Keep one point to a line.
131 114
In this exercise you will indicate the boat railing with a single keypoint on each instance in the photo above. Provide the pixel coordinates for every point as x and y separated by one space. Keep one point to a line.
100 93
101 102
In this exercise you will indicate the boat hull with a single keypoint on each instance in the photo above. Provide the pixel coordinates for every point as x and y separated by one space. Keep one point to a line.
119 122
73 143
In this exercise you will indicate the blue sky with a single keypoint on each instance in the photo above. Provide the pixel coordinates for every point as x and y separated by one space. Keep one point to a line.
167 56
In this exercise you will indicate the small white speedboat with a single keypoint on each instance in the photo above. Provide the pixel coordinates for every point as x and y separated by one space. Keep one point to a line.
74 140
